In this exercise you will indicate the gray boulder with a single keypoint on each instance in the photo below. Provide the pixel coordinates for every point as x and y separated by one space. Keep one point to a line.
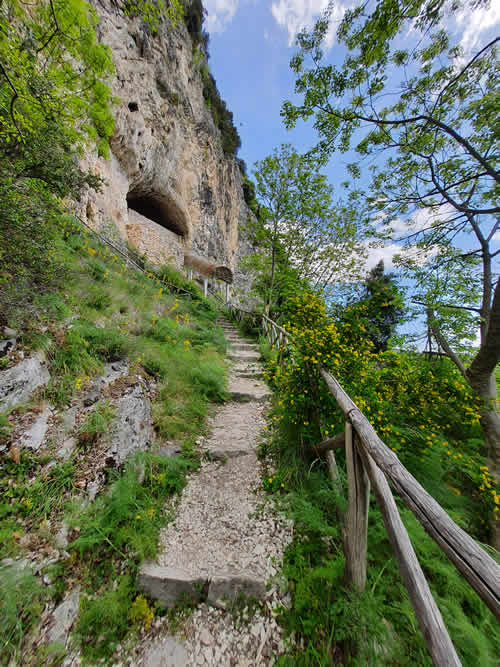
63 619
132 430
33 437
19 382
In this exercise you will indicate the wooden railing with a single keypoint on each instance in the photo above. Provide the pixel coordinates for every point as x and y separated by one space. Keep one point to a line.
372 465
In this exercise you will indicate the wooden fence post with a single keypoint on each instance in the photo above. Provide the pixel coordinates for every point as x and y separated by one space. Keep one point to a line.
356 525
429 617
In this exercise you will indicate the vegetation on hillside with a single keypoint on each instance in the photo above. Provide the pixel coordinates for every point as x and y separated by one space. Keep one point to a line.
55 101
300 233
106 311
424 122
194 15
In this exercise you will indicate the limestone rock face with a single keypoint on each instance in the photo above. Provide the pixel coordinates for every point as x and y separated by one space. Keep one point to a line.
19 382
169 186
132 430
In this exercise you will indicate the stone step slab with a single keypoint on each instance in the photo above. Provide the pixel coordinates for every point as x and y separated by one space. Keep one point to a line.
169 584
247 389
244 355
224 589
225 453
247 370
242 347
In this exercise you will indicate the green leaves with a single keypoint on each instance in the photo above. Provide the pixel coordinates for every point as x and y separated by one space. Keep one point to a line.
54 103
153 12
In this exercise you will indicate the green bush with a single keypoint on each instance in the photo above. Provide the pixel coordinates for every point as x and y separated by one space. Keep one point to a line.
168 274
36 499
98 298
96 423
103 621
127 520
156 367
267 351
209 376
21 603
103 343
97 269
5 429
53 306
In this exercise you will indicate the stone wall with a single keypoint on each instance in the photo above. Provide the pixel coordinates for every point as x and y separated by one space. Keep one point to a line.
159 244
165 150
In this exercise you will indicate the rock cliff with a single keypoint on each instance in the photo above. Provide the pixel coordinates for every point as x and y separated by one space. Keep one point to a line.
169 186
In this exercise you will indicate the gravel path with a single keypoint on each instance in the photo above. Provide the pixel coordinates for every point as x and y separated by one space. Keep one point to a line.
226 535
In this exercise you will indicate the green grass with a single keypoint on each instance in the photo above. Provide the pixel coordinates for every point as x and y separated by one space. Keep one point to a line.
377 627
103 621
96 423
33 491
267 351
105 313
118 531
21 602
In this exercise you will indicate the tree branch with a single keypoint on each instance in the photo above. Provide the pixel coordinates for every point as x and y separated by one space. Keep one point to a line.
434 327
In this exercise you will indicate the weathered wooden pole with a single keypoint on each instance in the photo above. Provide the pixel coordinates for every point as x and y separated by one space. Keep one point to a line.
356 525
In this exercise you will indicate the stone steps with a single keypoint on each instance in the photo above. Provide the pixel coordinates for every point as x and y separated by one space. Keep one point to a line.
244 347
244 355
248 389
218 550
169 584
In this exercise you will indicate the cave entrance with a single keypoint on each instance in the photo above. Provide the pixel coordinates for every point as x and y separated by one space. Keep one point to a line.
159 209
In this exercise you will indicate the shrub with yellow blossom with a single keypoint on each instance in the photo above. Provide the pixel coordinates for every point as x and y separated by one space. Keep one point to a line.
421 408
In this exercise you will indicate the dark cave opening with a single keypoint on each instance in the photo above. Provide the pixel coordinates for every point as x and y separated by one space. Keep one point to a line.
158 209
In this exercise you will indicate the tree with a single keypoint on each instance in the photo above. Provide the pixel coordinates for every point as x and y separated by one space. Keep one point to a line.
301 234
54 102
427 117
380 307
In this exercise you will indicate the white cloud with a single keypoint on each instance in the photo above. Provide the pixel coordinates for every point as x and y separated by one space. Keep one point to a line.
385 252
219 14
388 251
421 219
474 23
293 15
496 237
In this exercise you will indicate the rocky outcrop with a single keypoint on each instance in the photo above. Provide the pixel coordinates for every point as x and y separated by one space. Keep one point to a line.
132 431
19 382
169 186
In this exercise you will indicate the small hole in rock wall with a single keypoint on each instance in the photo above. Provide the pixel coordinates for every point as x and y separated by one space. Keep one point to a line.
141 166
133 106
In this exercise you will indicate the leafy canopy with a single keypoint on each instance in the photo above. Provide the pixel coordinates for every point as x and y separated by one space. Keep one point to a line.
301 233
54 102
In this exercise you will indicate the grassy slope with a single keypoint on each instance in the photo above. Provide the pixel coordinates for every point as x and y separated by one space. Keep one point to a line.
114 313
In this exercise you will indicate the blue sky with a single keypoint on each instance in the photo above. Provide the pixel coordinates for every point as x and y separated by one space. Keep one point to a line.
251 43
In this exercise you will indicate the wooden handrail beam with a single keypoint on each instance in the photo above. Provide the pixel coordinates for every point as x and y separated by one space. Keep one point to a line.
337 442
477 567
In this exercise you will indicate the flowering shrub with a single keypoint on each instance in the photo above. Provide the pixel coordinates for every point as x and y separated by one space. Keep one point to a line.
422 409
